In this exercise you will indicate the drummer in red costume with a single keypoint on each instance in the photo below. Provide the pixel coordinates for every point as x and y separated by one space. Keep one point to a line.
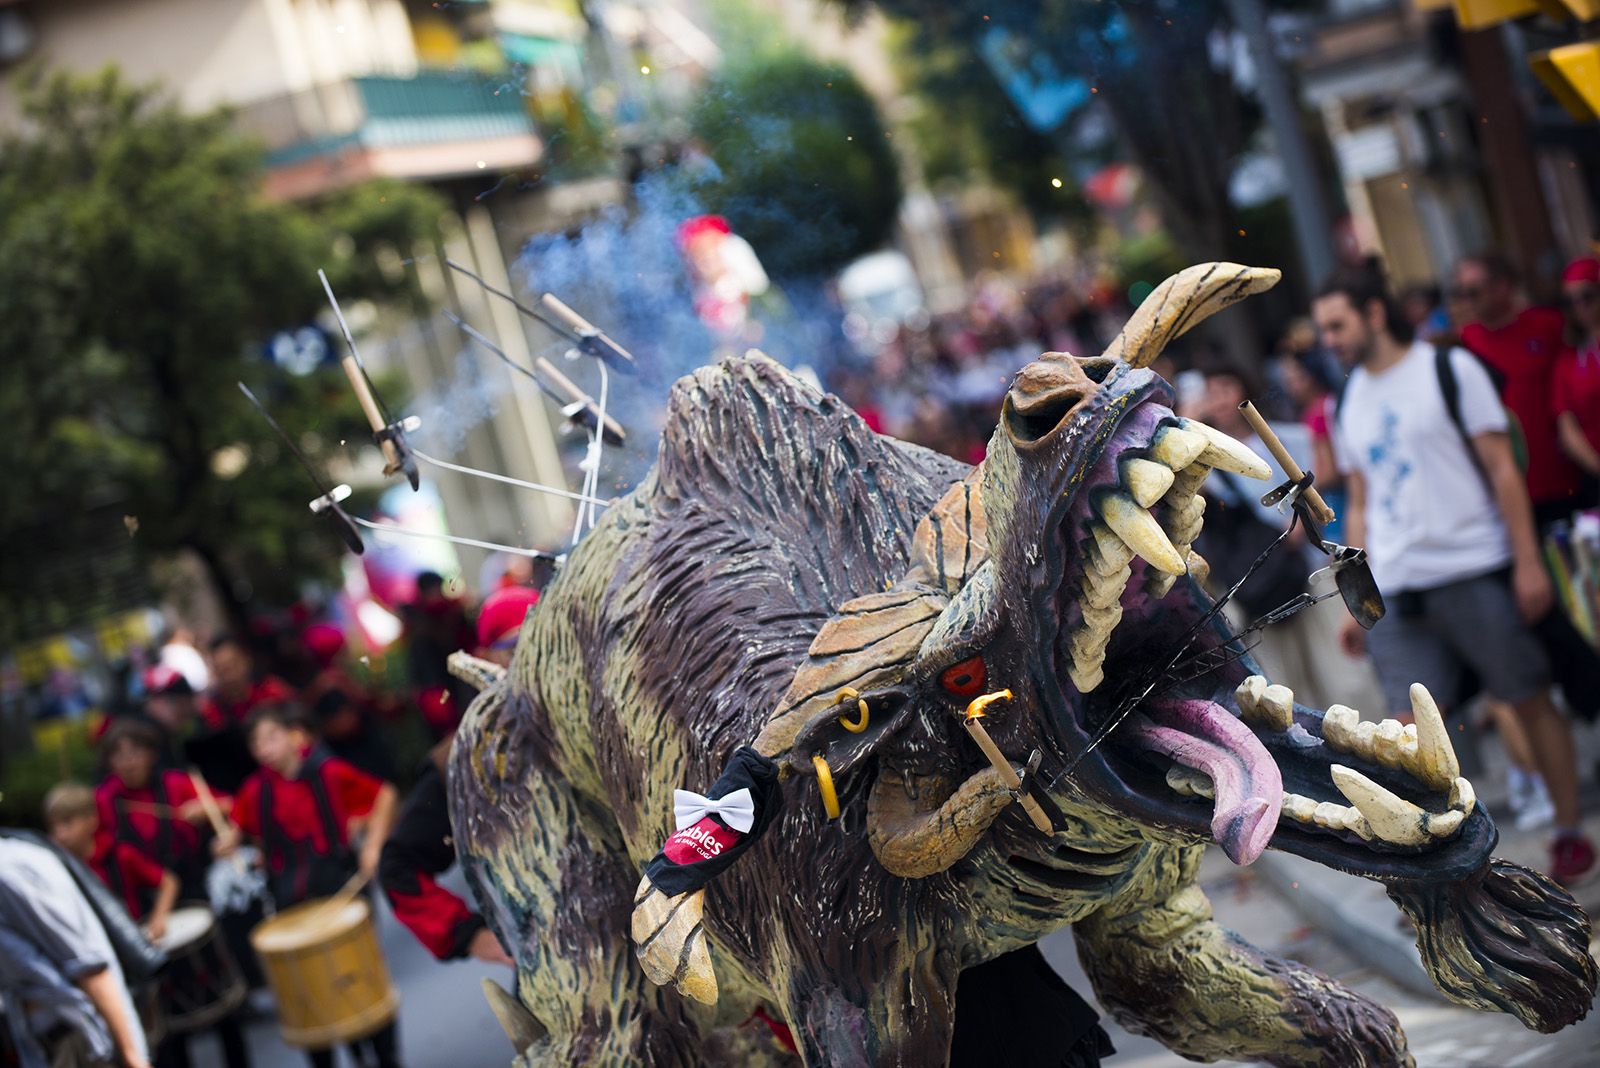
156 810
304 806
422 846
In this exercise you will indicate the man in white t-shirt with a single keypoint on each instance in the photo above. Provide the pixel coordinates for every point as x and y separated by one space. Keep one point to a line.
1449 532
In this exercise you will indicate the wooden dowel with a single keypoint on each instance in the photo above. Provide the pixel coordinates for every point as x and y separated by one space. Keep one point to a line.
1008 774
1319 507
208 801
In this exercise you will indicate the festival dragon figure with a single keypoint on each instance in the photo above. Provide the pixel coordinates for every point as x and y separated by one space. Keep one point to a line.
815 609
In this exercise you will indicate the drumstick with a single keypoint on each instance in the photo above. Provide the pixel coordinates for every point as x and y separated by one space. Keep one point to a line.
219 822
346 894
1319 507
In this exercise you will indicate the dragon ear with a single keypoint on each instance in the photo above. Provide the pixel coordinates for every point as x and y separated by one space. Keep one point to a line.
1182 301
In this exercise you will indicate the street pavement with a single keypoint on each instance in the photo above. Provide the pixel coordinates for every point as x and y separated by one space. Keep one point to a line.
1343 926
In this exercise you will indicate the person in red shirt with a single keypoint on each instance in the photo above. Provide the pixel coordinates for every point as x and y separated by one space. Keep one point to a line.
421 846
1576 394
237 689
146 889
304 806
156 810
1523 345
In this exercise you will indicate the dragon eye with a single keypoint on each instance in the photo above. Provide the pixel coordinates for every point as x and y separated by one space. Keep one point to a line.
965 679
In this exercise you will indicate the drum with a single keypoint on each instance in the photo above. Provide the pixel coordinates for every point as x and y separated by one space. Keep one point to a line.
201 983
323 964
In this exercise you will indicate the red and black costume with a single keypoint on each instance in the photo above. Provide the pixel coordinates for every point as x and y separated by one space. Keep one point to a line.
419 848
303 823
124 815
130 873
220 748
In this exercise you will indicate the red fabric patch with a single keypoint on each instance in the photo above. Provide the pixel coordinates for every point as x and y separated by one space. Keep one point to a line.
706 840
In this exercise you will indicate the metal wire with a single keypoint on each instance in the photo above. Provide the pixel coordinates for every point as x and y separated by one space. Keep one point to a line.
508 480
387 528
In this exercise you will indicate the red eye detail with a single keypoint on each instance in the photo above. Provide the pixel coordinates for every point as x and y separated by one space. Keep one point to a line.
965 679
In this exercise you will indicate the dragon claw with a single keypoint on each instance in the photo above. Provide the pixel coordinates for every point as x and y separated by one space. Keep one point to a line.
669 939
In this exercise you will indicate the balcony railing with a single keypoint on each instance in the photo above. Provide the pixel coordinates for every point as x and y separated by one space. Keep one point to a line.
377 112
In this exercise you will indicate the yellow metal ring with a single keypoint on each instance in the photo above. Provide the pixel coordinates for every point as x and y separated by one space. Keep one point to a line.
864 714
830 798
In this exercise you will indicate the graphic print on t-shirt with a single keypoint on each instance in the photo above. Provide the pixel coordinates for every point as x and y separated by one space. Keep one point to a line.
1388 463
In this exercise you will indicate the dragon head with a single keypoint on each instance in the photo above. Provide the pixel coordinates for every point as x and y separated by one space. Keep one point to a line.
1062 571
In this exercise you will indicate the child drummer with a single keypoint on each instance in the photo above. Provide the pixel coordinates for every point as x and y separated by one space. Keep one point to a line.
304 805
156 810
146 889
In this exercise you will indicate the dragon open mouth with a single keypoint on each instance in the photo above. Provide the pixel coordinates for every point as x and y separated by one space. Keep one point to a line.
1159 703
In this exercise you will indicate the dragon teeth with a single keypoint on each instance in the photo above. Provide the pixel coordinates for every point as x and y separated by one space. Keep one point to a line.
1189 782
1085 678
1098 590
1436 762
1262 704
1228 453
1140 531
1176 448
1392 817
1146 481
1298 807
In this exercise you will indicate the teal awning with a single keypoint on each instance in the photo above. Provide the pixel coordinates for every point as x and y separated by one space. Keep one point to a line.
543 52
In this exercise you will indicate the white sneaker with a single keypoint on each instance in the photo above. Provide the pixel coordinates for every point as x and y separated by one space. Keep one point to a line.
1536 810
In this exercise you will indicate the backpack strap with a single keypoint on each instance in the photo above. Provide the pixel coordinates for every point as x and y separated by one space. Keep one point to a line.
1450 388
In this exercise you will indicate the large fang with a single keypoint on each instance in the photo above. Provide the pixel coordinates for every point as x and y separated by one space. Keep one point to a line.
1463 796
1436 762
1228 453
1140 531
1177 448
1111 552
1392 818
1146 480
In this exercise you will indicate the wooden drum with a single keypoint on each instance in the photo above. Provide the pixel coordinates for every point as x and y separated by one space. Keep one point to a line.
324 966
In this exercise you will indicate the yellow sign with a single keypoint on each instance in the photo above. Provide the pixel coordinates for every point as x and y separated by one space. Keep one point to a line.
1572 74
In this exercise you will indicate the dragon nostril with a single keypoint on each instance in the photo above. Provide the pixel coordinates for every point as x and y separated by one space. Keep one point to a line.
1098 369
1044 415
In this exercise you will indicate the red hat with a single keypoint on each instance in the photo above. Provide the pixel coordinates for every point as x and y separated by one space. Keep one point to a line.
161 679
502 613
690 229
1582 269
324 641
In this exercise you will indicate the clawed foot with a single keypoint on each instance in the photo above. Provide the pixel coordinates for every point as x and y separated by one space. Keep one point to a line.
670 941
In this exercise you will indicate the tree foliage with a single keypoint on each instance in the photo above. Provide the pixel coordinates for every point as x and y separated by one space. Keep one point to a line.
140 274
804 169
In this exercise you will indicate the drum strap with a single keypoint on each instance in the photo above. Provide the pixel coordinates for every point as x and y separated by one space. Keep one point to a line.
162 846
276 838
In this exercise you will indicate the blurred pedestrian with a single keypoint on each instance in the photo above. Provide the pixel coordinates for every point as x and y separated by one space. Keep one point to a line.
66 1002
238 687
1522 345
1437 499
344 711
1576 394
303 805
436 625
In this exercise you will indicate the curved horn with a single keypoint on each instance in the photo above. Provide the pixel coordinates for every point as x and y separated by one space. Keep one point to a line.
1182 301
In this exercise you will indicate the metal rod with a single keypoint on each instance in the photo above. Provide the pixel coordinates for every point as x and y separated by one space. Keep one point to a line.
353 370
564 391
508 480
385 528
563 320
1324 514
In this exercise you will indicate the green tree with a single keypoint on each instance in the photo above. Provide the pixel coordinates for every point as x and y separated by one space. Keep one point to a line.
141 272
804 169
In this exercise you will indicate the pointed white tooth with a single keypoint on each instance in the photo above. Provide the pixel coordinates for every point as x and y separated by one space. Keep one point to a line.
1085 678
1146 480
1444 824
1177 448
1463 796
1277 707
1229 453
1249 694
1393 818
1199 569
1139 529
1333 817
1338 726
1298 807
1436 762
1111 552
1103 591
1186 485
1386 743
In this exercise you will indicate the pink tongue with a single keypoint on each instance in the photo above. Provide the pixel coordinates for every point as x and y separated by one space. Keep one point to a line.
1247 784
